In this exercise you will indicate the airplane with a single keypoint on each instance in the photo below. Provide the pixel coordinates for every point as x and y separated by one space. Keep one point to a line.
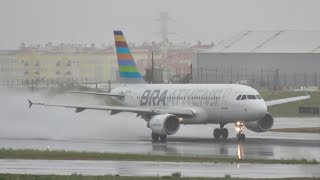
165 107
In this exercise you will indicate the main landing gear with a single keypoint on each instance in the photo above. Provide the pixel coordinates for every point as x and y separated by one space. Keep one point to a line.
220 132
155 137
239 127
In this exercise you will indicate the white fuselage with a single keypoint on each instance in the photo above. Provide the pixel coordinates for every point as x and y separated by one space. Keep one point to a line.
211 103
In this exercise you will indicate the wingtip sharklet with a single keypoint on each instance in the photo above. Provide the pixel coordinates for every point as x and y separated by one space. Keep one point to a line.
307 93
30 103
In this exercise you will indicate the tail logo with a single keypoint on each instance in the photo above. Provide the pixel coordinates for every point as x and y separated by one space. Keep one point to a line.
127 66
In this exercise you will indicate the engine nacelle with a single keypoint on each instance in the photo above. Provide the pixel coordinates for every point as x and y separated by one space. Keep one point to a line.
164 124
261 125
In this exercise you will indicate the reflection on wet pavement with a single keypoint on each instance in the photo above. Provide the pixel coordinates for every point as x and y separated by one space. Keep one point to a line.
250 149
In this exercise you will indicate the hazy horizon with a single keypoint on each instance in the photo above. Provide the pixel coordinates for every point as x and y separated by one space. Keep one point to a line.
84 21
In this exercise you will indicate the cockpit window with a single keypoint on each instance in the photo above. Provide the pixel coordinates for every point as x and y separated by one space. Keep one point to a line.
238 97
251 96
259 97
244 97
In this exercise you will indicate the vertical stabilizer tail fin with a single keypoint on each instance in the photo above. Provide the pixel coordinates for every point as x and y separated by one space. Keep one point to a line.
128 71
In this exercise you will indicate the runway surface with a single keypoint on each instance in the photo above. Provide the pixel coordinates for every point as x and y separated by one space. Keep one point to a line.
134 168
251 149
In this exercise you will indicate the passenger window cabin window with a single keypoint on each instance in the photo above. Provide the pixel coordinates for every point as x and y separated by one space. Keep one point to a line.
244 97
238 97
251 96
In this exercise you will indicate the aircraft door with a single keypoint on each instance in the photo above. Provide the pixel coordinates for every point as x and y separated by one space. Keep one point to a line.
239 107
226 109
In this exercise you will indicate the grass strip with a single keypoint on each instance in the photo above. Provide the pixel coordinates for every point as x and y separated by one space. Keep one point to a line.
298 130
77 155
117 177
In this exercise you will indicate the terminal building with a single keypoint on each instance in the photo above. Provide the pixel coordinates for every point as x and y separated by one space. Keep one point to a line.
271 60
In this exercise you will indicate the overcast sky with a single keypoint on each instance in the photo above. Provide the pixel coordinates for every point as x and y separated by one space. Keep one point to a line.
86 21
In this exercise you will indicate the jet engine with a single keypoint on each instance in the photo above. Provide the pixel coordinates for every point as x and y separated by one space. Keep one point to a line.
261 125
164 124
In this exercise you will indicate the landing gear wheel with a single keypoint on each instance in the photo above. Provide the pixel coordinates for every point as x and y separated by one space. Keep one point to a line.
155 137
163 137
224 133
216 133
241 137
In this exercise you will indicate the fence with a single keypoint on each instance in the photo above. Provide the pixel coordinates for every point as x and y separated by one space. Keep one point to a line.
50 83
266 79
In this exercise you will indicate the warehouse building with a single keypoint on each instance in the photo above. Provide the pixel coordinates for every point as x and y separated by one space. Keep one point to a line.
262 59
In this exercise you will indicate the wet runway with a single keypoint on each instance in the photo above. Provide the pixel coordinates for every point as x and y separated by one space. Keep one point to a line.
134 168
183 146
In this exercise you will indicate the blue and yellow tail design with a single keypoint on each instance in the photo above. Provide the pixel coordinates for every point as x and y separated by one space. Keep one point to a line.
128 71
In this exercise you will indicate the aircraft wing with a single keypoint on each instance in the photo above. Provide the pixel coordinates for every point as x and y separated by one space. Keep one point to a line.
96 93
118 109
287 100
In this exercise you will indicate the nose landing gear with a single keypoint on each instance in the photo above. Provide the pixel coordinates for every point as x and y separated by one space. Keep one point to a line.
239 127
